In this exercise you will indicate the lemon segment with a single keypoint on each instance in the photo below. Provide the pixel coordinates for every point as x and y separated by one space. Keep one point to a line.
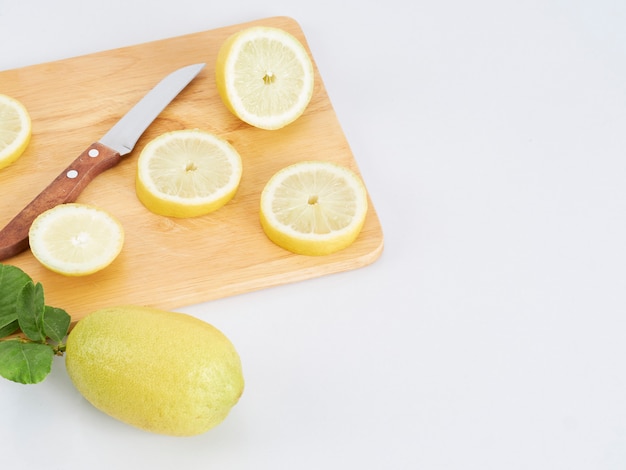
264 76
15 130
313 208
75 239
187 173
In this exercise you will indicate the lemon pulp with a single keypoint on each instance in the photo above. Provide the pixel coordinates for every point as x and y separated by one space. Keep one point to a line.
187 173
313 208
15 130
75 239
264 76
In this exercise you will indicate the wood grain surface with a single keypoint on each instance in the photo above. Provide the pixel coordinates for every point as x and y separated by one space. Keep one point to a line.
166 262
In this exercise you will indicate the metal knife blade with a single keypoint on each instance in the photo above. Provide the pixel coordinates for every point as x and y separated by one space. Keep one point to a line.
98 157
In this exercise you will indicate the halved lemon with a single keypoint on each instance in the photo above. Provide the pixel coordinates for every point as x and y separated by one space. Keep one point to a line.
15 130
313 208
187 173
264 76
76 239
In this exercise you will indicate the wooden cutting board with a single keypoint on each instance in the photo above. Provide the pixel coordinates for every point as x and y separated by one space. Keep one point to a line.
169 263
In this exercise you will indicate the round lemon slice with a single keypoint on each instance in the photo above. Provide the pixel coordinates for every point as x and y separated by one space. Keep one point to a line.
264 76
313 208
15 130
75 239
187 173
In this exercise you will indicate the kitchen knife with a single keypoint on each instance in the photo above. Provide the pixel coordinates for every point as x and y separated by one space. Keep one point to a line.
98 157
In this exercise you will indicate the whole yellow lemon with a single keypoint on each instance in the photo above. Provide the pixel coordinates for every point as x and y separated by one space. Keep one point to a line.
163 372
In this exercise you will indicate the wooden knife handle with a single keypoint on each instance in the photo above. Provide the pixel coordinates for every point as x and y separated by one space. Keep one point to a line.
65 188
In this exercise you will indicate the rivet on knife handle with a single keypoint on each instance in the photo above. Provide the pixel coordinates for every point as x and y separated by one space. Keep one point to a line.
65 188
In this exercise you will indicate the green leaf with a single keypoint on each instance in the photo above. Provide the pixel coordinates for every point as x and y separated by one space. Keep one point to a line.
30 307
9 329
56 323
12 280
23 362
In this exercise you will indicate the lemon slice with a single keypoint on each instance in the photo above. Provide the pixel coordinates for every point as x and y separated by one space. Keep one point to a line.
75 239
187 173
15 130
264 76
313 208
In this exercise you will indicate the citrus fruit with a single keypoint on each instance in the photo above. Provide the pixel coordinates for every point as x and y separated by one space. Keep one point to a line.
15 130
163 372
313 207
75 239
187 173
264 76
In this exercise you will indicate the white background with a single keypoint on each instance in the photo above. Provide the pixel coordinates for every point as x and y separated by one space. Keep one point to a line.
490 334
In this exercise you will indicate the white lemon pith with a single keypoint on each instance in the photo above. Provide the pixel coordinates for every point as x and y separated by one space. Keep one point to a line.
15 130
163 372
313 208
187 173
264 76
75 239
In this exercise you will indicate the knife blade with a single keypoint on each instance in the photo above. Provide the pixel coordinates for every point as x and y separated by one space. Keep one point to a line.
98 157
